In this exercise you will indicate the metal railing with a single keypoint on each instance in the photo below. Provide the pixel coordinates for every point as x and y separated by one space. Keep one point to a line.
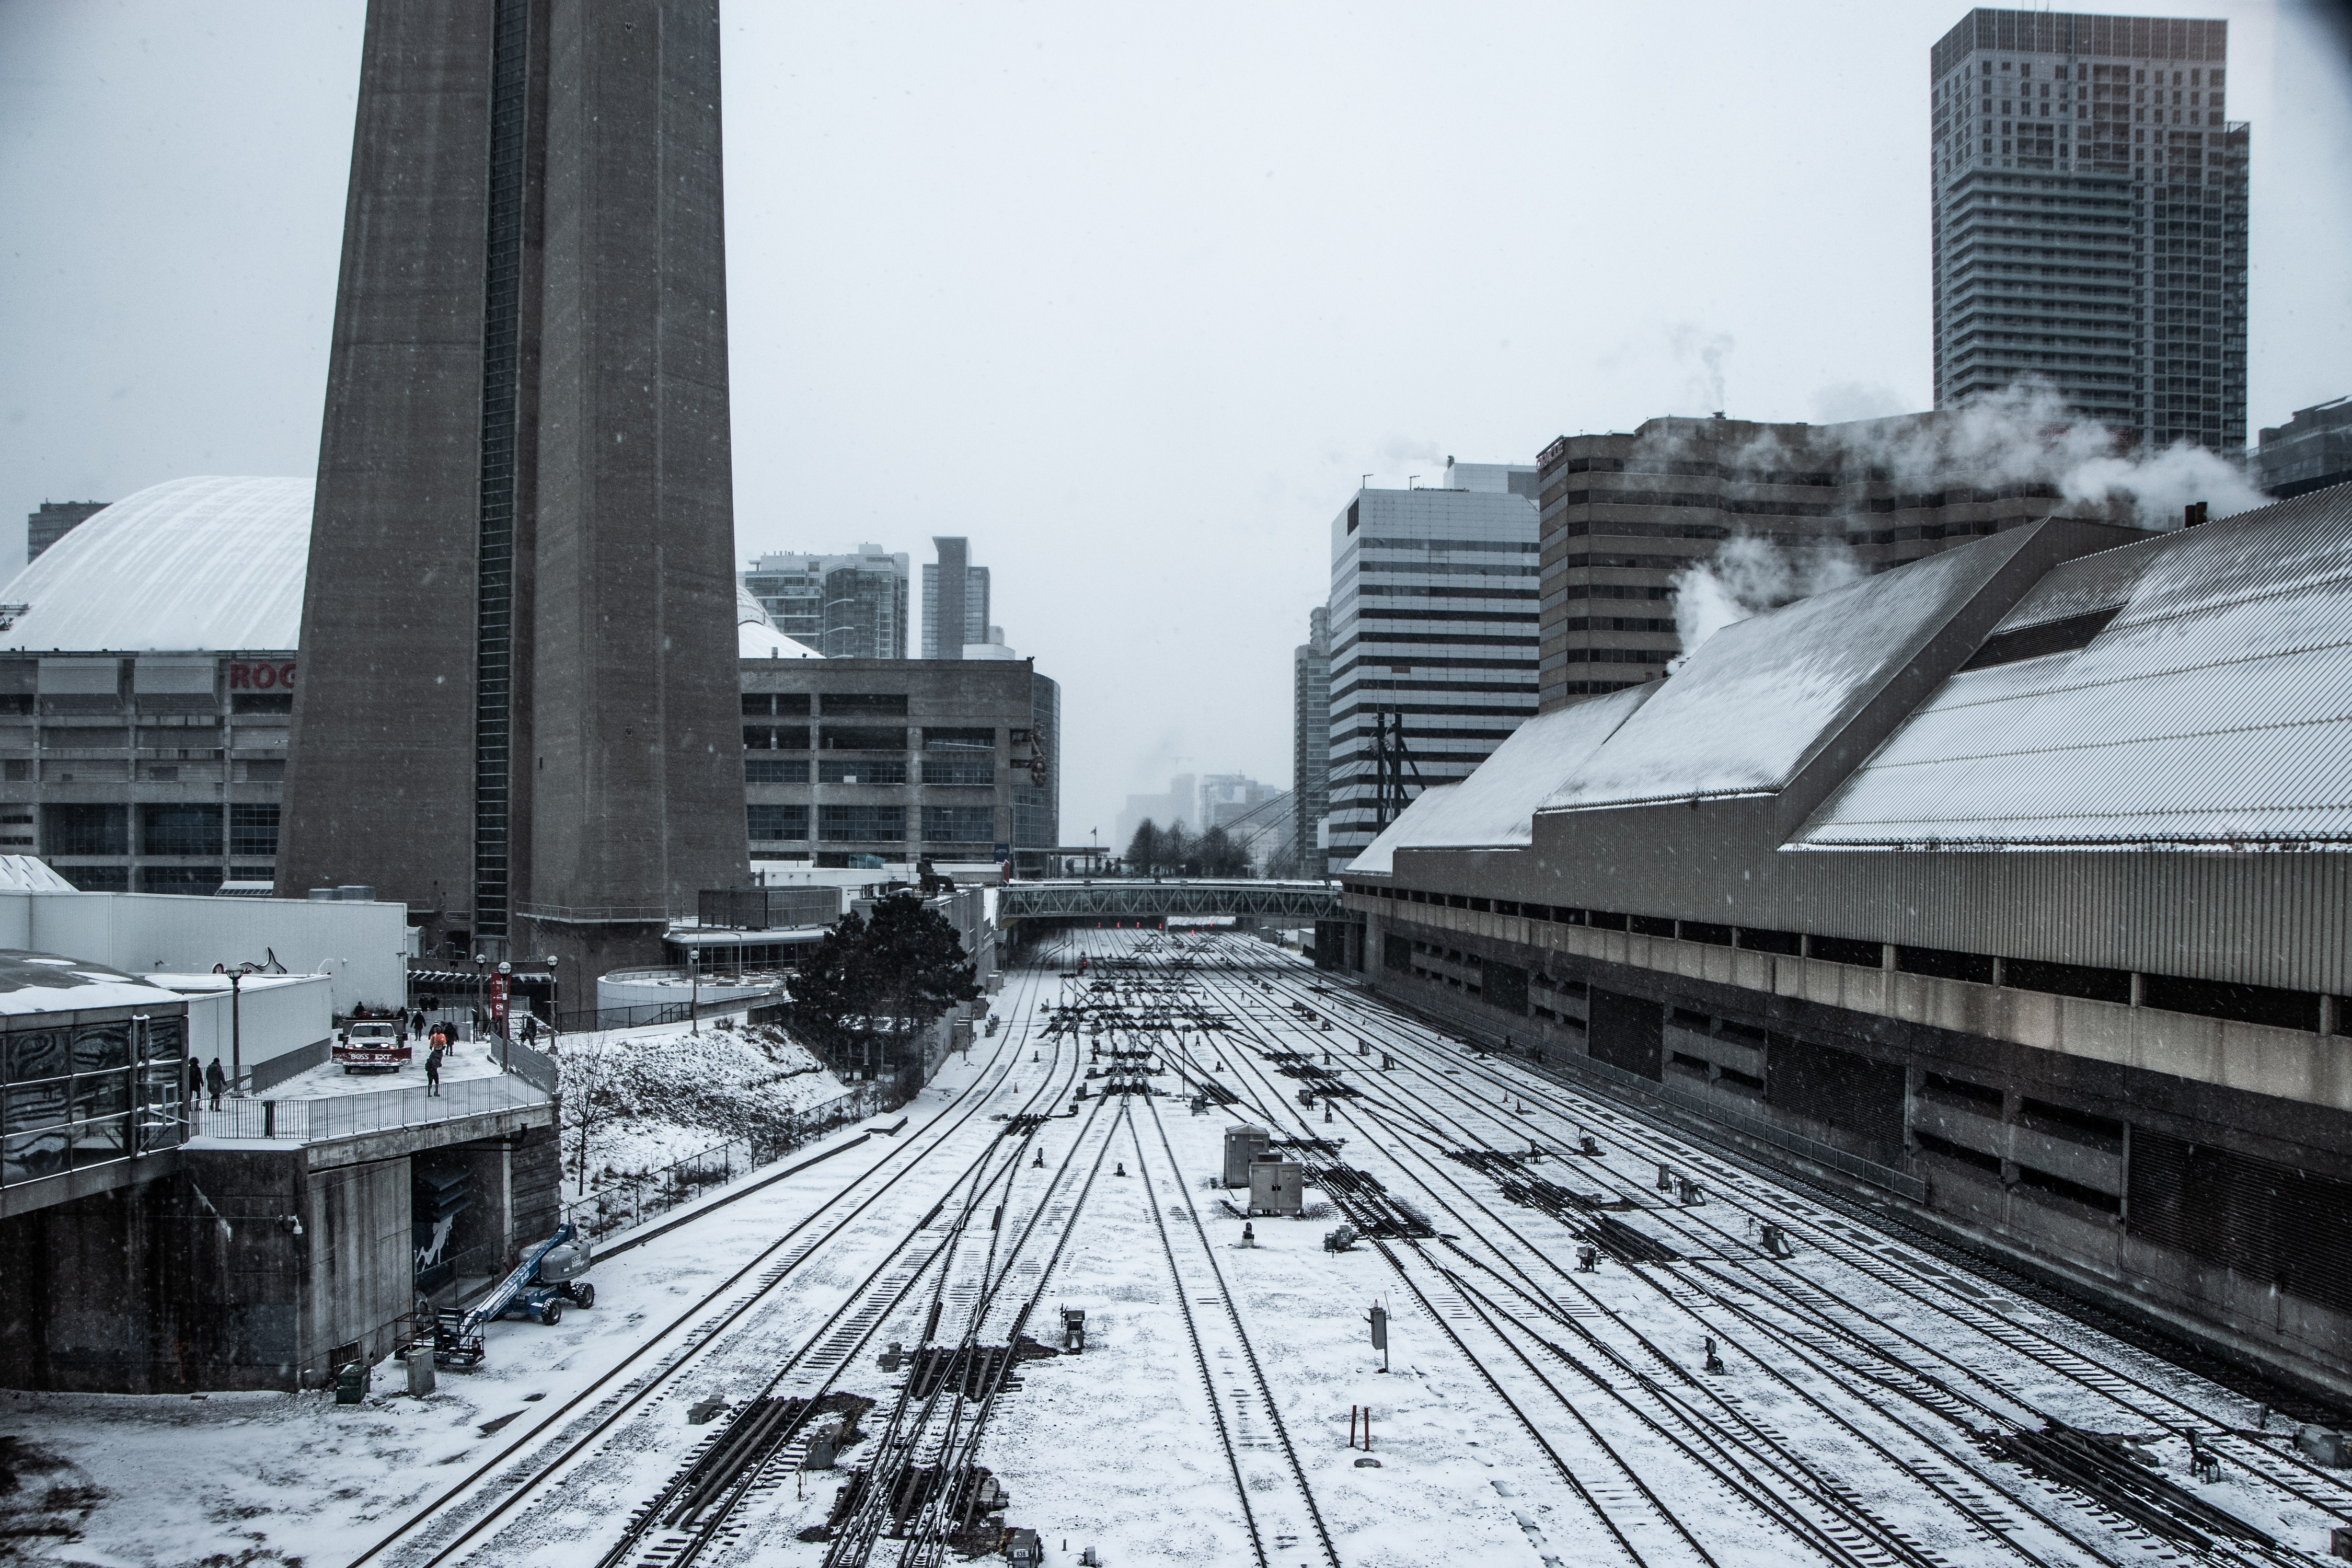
589 1019
624 1203
350 1115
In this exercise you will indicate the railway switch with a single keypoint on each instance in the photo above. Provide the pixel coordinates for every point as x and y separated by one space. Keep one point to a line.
1776 1241
891 1359
1039 1163
1665 1180
1074 1329
1588 1259
1588 1143
1689 1194
1714 1361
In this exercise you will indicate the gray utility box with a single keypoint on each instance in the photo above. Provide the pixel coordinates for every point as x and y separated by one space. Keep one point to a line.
1276 1186
1242 1144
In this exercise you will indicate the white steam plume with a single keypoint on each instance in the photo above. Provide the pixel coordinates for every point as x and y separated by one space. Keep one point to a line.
2022 436
1748 576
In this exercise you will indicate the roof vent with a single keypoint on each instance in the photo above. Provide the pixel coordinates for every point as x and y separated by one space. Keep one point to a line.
2039 642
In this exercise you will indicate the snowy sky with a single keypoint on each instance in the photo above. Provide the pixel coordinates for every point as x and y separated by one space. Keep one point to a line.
1131 296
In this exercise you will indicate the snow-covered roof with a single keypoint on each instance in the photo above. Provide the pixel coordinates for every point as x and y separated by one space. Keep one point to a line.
46 983
189 565
1761 697
1494 807
756 635
1421 814
2214 711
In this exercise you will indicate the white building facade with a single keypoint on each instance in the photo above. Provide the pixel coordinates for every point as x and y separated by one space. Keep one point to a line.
1434 628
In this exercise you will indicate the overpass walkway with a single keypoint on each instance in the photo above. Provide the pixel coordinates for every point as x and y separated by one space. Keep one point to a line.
1139 898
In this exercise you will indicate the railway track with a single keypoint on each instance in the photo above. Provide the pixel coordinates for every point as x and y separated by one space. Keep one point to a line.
1878 1390
1929 1286
1870 1415
528 1475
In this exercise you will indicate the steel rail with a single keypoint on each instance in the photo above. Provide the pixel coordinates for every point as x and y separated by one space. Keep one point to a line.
1865 1396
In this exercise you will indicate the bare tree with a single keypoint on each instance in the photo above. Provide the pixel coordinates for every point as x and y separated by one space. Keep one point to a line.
587 1074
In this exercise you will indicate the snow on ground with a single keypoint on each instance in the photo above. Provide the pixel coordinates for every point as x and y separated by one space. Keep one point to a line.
653 1096
228 1481
327 1079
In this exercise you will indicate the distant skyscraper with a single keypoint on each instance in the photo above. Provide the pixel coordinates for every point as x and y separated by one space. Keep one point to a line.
2090 219
54 522
1433 607
955 594
844 606
519 708
1310 736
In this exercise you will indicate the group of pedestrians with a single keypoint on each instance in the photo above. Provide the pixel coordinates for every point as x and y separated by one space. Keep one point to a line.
440 1038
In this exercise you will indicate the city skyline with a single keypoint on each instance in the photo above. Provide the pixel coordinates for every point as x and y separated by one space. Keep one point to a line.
1196 447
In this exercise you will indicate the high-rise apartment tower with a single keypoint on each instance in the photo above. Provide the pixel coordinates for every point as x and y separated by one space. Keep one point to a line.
2090 219
519 707
1310 738
844 606
955 601
1433 606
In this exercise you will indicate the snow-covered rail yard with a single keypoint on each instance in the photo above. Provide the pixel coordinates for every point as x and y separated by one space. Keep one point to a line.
1606 1345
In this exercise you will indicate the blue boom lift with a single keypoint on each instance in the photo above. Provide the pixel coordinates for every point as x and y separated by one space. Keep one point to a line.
547 1278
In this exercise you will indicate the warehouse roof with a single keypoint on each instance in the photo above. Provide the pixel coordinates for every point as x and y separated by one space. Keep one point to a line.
1761 697
1495 806
46 983
191 565
2212 711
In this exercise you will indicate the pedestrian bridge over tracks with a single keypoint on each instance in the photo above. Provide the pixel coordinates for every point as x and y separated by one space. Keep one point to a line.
1130 899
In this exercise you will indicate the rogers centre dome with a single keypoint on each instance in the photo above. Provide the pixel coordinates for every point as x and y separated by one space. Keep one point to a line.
204 565
189 565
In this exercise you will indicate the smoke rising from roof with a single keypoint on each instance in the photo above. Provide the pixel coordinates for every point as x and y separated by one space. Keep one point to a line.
2023 436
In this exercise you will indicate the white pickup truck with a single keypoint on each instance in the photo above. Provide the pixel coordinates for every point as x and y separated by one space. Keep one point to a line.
371 1046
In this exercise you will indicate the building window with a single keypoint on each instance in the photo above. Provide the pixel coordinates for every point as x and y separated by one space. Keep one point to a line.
180 830
960 770
872 704
959 740
261 702
959 824
861 773
773 824
762 771
842 738
775 737
862 824
253 830
203 880
85 830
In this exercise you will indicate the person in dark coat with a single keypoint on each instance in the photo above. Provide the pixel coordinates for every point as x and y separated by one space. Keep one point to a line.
196 1078
215 1082
433 1066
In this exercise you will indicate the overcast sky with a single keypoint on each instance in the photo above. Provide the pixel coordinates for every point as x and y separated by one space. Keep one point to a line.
1131 296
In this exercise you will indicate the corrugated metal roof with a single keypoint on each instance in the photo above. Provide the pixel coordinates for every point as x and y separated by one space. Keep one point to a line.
1760 696
2215 710
1495 806
192 565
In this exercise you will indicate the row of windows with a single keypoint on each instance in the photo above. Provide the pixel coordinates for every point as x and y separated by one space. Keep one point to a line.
85 830
796 771
871 823
89 1093
835 704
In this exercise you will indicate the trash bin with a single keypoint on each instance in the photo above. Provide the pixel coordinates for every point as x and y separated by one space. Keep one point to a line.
351 1382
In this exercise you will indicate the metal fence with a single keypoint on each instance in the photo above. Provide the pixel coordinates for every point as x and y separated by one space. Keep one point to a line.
589 1019
350 1115
618 1205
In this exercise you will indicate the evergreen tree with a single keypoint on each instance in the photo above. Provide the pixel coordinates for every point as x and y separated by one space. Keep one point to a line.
879 983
